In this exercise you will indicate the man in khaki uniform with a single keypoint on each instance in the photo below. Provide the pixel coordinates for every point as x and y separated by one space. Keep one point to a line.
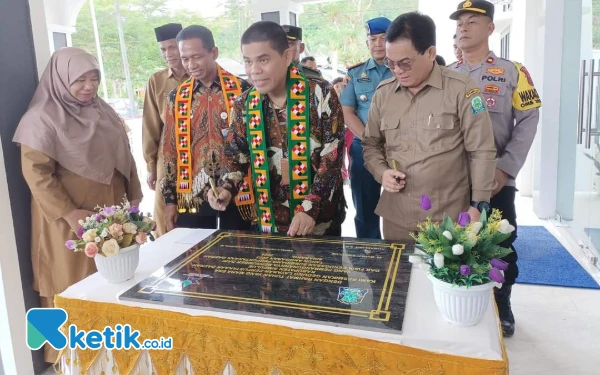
513 103
160 85
433 123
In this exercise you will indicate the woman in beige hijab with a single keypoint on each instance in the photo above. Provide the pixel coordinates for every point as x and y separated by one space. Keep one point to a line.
75 156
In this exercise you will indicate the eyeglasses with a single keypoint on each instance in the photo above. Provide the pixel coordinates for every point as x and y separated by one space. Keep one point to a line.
405 66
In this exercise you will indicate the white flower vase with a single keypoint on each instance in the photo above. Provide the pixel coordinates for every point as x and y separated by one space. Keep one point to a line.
120 267
461 305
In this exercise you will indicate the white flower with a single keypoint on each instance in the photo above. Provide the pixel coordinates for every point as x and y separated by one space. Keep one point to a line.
438 260
472 238
104 233
130 228
505 227
89 236
425 266
110 248
476 227
97 240
415 259
81 222
458 249
447 234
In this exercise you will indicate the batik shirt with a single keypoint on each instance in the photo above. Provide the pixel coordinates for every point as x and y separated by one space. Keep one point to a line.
209 123
325 202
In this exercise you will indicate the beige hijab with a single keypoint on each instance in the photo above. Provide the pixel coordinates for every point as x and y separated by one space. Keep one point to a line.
89 138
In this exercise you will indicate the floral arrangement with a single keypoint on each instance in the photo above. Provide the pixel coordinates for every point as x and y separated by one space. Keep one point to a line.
111 229
464 253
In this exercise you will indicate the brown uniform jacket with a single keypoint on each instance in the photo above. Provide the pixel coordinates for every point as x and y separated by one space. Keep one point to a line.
56 191
160 85
441 138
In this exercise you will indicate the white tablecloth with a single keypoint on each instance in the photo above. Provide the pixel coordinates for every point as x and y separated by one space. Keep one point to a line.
423 327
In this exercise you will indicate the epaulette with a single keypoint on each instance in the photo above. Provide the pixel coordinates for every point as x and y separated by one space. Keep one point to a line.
448 72
386 81
355 65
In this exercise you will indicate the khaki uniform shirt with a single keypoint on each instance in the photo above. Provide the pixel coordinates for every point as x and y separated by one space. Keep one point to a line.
160 85
441 138
513 103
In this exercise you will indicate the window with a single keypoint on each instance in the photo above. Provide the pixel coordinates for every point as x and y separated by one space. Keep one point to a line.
271 16
293 19
60 40
505 46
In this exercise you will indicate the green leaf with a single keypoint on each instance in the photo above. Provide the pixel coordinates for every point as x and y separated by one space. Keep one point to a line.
447 251
483 218
448 224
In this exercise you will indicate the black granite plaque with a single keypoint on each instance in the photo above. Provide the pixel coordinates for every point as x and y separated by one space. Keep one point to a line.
327 280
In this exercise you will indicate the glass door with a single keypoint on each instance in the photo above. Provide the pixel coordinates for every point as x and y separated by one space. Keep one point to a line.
585 224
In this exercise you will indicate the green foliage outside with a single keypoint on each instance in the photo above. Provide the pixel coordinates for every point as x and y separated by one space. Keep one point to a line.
335 27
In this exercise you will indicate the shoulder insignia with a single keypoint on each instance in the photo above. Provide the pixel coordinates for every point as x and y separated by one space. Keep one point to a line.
472 92
490 60
355 65
525 96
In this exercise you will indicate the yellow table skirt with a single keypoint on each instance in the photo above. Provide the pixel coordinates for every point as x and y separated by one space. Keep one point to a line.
257 348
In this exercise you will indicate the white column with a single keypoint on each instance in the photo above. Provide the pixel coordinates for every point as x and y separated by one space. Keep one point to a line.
445 28
283 7
561 57
41 40
16 357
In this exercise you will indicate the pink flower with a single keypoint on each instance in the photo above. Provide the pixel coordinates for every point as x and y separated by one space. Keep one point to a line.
141 238
91 249
116 230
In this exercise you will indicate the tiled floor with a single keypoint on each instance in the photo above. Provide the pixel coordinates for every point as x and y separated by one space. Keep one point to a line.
558 329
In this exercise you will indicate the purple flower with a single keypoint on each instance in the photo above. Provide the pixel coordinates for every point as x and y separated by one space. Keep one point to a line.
109 211
499 264
425 202
80 232
71 245
496 275
464 219
134 210
99 218
465 270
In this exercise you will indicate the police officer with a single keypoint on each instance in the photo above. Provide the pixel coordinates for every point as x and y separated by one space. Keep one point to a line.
356 98
294 35
513 104
428 133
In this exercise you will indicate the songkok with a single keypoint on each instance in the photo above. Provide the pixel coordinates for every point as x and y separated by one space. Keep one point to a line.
168 31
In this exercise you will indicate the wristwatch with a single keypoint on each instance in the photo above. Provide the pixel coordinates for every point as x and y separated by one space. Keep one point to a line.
481 206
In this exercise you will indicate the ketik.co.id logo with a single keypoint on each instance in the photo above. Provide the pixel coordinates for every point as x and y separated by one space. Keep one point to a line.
43 325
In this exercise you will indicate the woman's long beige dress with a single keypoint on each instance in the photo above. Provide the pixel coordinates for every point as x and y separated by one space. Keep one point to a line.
57 191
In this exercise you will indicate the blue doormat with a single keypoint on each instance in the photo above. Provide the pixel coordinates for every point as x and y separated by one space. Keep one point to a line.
544 261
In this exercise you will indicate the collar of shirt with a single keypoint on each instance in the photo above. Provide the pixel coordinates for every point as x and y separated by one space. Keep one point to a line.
171 74
372 64
490 55
216 83
434 79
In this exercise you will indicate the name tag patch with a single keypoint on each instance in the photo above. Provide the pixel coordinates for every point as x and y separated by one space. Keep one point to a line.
493 79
